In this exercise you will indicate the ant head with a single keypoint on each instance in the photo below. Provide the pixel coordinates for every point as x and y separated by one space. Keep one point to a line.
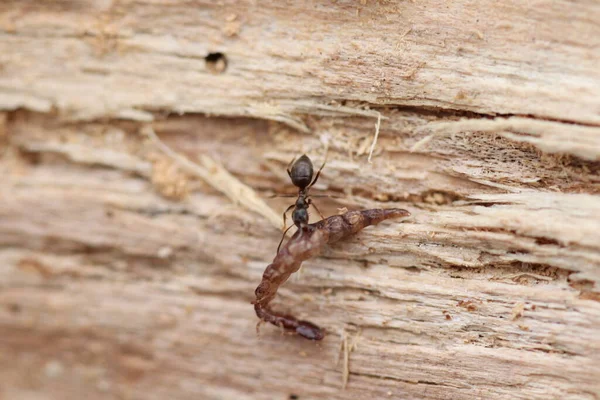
300 217
302 172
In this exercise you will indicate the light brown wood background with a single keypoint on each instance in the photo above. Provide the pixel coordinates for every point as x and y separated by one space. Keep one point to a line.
126 276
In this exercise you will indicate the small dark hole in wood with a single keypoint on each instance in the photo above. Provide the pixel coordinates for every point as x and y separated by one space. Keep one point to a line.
216 62
14 308
294 397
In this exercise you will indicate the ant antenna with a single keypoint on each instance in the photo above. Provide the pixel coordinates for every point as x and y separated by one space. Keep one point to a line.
283 236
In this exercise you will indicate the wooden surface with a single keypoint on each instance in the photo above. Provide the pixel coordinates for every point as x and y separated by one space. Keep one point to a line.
125 275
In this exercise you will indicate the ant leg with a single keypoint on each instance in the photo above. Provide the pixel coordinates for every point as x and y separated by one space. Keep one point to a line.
282 237
284 215
318 173
289 165
310 203
272 196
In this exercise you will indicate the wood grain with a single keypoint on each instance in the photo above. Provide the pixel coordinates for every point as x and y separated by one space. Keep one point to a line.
124 275
283 60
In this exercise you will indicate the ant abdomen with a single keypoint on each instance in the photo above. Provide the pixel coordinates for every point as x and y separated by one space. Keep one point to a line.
302 172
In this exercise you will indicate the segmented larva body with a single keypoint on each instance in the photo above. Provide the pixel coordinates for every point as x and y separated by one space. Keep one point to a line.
307 243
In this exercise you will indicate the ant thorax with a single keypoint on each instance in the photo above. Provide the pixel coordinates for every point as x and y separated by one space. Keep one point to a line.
300 217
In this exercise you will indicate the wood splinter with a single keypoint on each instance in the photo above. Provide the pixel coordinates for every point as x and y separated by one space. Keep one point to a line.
308 242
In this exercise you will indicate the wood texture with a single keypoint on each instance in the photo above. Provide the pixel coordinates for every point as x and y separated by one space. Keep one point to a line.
125 275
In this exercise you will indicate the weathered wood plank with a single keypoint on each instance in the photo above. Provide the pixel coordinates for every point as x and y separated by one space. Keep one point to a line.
123 275
160 289
486 57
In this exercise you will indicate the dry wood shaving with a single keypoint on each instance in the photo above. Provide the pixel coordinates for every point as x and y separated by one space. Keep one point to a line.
219 178
548 136
346 350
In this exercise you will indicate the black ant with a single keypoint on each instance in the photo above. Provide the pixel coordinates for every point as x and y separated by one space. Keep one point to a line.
301 175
